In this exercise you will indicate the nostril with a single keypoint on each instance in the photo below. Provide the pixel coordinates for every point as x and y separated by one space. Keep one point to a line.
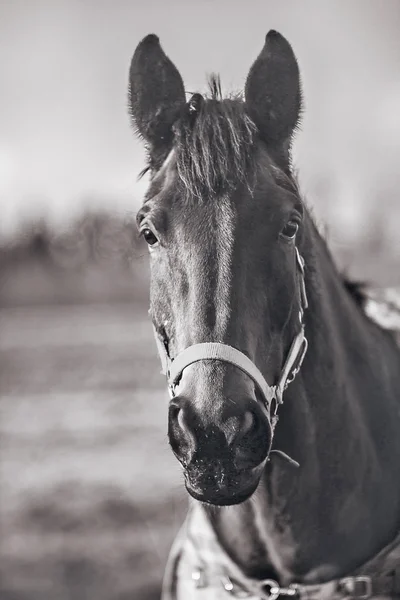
177 416
174 411
252 444
180 433
248 422
248 427
173 414
180 417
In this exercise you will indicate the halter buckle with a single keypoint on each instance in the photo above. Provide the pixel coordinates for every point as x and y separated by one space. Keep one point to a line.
357 587
298 363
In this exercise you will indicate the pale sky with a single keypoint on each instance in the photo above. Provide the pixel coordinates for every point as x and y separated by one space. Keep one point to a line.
65 139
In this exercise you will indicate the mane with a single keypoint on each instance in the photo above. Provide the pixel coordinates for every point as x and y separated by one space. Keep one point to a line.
356 290
214 144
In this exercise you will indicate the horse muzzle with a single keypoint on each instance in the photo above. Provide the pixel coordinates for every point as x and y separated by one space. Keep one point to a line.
223 456
220 485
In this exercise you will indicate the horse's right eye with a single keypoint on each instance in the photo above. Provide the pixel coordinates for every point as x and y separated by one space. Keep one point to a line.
149 236
290 230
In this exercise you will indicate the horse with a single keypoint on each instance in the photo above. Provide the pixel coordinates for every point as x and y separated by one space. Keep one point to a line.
284 407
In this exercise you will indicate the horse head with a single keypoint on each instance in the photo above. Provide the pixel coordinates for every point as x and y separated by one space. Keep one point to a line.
223 221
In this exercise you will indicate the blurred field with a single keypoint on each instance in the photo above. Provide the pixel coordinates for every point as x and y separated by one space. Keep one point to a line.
90 495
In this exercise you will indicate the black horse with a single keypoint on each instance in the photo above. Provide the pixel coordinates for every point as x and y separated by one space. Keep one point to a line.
241 284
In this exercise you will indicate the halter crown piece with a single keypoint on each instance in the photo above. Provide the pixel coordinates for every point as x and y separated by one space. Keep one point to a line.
173 368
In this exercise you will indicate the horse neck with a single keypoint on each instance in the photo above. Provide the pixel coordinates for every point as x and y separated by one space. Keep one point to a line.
343 504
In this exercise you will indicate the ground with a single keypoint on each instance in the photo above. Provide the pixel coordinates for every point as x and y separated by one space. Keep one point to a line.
91 496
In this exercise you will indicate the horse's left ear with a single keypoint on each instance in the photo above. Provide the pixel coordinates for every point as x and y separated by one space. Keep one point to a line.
273 92
156 95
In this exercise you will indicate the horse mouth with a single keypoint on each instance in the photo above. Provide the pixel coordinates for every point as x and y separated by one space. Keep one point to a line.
221 496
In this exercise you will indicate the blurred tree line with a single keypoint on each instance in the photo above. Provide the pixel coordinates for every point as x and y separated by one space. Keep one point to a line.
99 257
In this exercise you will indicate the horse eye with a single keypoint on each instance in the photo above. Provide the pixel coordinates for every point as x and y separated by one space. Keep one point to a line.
149 237
290 230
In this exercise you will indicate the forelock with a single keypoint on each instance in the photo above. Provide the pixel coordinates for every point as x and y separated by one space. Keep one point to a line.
215 147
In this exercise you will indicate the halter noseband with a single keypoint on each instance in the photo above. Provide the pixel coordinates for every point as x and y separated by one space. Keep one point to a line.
173 369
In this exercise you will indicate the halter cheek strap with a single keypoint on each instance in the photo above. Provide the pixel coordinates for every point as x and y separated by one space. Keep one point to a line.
173 369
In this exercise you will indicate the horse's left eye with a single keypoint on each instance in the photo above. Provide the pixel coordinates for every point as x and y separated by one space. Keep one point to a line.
149 236
290 230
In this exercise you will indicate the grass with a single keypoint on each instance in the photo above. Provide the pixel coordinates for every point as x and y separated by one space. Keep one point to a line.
90 495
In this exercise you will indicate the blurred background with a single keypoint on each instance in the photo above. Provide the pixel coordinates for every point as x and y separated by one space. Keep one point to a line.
90 494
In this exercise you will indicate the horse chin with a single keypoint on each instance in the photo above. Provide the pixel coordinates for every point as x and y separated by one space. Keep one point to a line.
218 496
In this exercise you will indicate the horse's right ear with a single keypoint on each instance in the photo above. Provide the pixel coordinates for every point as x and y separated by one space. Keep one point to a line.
156 95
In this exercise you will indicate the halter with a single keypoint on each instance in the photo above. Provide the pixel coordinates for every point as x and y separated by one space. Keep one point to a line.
173 368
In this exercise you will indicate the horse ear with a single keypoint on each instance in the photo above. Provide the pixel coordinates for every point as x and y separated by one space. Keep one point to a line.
273 92
156 94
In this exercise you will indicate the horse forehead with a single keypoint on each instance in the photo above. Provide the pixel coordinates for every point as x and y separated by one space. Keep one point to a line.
217 213
209 228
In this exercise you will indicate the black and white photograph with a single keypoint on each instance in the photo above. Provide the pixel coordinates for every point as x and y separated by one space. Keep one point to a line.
199 300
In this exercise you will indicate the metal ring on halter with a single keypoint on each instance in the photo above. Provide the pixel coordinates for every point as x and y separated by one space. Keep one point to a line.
275 590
